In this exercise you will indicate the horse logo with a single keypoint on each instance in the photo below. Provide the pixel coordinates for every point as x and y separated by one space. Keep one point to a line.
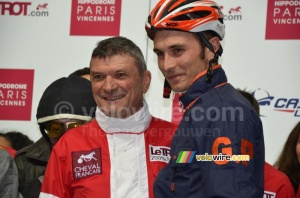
42 7
87 157
235 10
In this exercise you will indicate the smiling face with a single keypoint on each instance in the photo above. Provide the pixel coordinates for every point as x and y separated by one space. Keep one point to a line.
117 85
180 57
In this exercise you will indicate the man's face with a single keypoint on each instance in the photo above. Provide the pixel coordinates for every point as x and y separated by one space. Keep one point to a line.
117 86
179 57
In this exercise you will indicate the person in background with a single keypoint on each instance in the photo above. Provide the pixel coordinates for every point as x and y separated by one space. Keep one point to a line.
17 139
84 72
66 103
5 141
8 175
119 153
217 121
8 171
276 183
288 161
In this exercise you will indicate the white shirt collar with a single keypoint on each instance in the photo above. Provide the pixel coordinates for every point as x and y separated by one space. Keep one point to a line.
136 123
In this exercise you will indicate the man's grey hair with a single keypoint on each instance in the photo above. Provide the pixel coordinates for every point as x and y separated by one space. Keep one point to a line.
119 46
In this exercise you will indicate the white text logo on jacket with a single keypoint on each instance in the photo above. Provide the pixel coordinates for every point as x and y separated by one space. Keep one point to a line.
159 153
86 163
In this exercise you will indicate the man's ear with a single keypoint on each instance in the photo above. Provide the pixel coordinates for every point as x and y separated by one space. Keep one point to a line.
215 42
147 81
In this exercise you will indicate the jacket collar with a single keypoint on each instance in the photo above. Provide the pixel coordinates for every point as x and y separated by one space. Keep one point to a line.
40 150
199 86
136 123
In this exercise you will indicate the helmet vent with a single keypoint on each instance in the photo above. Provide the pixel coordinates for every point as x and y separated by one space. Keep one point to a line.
192 15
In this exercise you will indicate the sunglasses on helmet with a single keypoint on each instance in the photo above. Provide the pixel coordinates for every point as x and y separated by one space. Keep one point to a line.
57 129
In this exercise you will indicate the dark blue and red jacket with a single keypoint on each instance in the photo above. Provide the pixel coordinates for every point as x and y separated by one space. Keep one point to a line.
218 121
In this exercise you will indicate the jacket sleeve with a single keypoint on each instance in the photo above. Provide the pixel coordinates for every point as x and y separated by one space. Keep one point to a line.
32 188
54 183
8 175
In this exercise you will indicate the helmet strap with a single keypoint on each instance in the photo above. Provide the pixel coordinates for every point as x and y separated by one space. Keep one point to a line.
207 44
209 69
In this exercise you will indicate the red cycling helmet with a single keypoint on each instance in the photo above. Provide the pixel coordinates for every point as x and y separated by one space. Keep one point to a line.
186 15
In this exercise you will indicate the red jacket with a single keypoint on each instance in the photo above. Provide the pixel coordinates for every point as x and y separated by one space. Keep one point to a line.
298 193
276 183
80 164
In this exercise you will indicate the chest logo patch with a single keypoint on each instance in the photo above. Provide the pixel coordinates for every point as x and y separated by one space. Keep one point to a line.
86 163
159 153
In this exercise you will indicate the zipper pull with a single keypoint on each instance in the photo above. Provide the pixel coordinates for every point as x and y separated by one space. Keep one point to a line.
173 183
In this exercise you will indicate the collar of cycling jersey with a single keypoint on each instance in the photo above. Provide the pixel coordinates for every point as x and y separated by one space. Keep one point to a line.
200 86
135 123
